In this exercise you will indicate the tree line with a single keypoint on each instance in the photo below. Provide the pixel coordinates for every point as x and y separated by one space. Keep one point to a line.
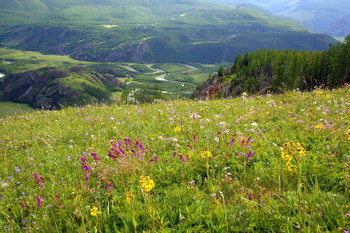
281 70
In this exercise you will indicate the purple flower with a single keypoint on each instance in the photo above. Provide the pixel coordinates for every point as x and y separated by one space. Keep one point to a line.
139 146
250 153
110 186
38 179
153 160
232 141
39 200
194 138
96 158
127 142
22 205
86 169
213 195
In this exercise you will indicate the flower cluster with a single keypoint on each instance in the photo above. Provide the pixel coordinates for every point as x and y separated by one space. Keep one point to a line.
94 211
147 183
292 150
129 197
177 129
206 154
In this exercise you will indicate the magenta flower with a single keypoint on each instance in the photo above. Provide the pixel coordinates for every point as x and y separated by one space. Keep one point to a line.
232 141
22 205
250 153
96 158
39 201
38 180
86 169
194 138
57 198
127 142
153 160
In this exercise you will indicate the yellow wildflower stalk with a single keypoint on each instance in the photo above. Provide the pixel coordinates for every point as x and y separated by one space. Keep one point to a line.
147 183
95 211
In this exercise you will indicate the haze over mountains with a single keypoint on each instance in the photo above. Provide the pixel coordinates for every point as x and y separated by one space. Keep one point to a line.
148 31
323 16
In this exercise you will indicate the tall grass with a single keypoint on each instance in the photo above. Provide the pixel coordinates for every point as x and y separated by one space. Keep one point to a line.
261 164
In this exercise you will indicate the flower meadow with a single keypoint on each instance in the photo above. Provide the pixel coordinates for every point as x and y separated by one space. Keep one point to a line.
250 164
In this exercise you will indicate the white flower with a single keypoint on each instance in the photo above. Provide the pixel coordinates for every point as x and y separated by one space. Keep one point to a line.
254 124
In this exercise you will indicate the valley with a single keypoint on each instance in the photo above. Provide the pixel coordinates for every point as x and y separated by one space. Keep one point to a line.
172 80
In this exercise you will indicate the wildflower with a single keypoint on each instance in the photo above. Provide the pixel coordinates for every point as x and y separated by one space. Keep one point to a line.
348 134
94 211
292 150
96 158
177 129
206 154
319 126
250 155
38 179
129 197
147 183
189 154
39 201
22 205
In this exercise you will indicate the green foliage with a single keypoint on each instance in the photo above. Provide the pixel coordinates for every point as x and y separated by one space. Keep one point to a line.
290 69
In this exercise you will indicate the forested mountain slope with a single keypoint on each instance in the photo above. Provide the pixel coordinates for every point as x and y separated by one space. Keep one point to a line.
278 71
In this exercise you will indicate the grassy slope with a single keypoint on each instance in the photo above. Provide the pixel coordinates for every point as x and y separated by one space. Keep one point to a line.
28 60
227 192
8 108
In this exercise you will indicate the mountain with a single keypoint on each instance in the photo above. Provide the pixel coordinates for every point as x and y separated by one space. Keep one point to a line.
266 71
322 16
148 31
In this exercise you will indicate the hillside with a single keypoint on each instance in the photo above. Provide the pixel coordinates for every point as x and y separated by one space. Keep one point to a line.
274 71
51 88
322 16
152 31
263 164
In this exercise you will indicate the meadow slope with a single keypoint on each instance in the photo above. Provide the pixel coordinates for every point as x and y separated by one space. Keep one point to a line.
261 164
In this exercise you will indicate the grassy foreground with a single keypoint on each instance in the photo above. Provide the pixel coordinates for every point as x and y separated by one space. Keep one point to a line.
264 164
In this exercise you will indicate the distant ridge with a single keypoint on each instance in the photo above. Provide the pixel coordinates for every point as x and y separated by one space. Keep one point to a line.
148 31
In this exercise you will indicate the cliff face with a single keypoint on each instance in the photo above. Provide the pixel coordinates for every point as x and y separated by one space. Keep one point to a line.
213 87
48 87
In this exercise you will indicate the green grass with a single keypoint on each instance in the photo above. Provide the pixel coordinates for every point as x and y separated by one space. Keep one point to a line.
217 166
28 60
10 108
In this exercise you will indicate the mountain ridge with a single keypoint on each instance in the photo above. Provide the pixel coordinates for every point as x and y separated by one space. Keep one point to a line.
152 31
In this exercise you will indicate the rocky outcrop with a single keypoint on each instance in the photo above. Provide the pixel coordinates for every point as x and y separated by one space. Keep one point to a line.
212 87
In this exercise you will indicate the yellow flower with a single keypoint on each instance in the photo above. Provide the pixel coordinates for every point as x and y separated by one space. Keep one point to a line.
319 126
129 197
348 134
189 154
177 129
147 183
318 93
206 154
95 211
328 96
